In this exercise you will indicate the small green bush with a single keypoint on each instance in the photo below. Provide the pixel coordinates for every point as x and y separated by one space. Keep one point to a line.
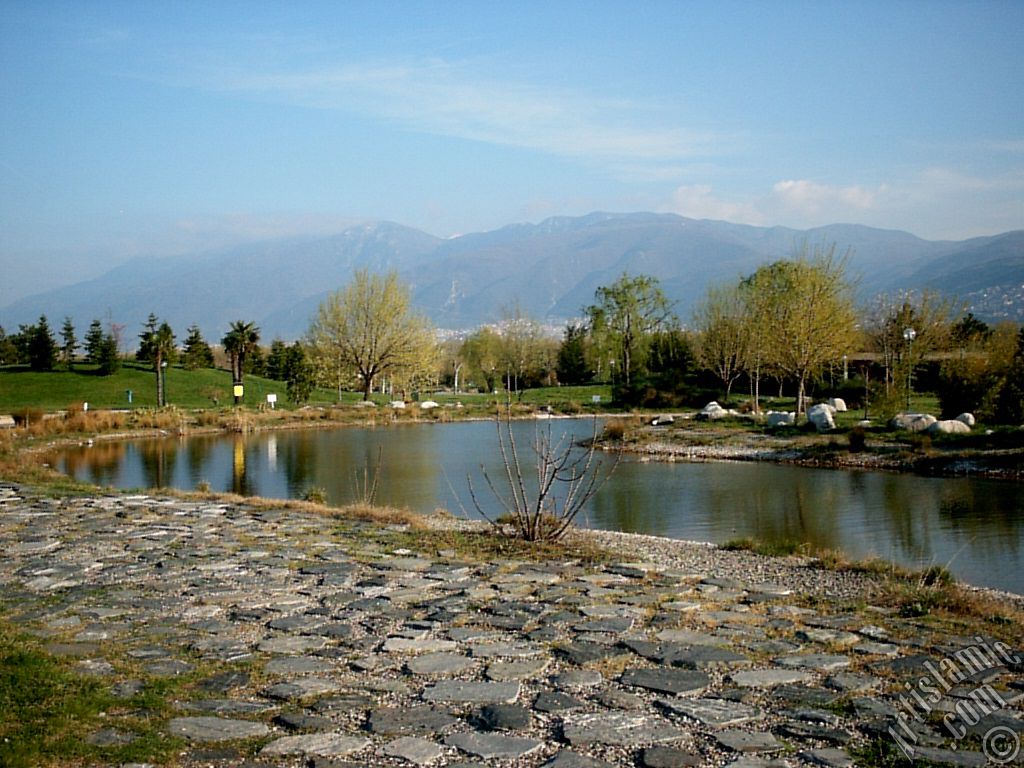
315 494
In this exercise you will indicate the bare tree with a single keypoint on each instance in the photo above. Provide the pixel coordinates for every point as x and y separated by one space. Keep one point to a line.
567 478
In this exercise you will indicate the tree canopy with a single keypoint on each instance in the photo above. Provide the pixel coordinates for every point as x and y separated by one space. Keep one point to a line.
368 330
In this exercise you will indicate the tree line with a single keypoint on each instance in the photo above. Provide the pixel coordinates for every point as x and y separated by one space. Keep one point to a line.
792 324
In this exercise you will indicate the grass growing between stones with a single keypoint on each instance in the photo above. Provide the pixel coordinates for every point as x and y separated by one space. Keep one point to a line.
48 711
485 545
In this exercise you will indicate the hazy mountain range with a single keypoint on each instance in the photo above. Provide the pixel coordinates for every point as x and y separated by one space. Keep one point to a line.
550 269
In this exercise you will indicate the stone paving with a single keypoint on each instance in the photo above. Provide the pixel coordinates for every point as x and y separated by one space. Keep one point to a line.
310 647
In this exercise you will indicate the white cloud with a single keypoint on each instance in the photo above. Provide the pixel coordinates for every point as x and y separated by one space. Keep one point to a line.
812 199
451 100
699 202
792 202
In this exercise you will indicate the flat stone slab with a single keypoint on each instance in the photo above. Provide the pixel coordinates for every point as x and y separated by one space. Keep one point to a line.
292 645
620 728
302 688
461 692
298 665
715 713
823 662
828 757
409 720
418 645
491 746
670 757
747 741
675 681
516 670
769 678
414 750
703 657
215 729
569 759
316 744
439 664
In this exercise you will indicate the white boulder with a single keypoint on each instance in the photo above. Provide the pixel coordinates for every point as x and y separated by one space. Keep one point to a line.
967 418
712 411
821 416
426 405
780 419
398 404
838 404
949 427
912 422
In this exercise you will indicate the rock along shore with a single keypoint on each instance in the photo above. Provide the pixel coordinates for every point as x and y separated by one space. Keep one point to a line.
314 643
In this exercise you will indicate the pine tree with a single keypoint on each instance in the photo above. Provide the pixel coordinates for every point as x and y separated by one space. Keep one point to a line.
42 349
277 361
94 340
197 353
70 343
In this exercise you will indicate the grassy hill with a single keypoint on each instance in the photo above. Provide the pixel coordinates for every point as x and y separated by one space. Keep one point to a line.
55 390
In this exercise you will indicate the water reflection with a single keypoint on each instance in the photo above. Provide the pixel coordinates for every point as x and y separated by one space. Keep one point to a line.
975 527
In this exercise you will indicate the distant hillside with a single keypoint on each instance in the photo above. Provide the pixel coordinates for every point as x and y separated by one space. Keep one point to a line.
550 269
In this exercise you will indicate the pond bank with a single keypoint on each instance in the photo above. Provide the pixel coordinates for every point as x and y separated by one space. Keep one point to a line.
686 441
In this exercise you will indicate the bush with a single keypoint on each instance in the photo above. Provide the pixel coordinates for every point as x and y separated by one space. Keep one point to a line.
26 417
315 495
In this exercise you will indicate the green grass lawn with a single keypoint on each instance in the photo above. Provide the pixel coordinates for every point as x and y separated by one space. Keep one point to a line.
21 388
55 390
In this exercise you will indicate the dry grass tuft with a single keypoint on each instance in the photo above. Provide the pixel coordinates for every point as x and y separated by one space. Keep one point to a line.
369 513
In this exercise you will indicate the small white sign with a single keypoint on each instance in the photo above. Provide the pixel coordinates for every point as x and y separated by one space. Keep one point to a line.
271 399
595 398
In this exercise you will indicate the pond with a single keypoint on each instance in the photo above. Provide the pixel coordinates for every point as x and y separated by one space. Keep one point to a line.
974 527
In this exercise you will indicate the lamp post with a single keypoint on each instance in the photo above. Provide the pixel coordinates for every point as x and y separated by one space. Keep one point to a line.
163 384
909 334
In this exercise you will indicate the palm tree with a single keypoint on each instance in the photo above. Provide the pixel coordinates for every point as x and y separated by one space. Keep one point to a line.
239 341
157 347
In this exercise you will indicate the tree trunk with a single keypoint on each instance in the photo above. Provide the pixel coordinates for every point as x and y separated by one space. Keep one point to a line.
159 380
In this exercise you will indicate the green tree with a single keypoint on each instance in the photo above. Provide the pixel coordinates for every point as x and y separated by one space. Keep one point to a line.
299 374
157 349
94 339
888 322
8 350
106 355
572 366
368 330
520 349
41 347
196 352
1010 407
69 343
239 342
724 334
623 319
277 361
807 304
482 352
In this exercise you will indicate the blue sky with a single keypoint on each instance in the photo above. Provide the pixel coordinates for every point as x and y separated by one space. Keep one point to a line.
138 128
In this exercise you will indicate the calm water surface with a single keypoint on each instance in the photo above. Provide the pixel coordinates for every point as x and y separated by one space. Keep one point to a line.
974 527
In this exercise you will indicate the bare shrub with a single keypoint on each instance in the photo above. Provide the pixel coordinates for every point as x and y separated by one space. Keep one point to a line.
566 480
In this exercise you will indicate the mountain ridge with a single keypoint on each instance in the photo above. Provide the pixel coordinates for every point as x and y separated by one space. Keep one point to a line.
550 269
